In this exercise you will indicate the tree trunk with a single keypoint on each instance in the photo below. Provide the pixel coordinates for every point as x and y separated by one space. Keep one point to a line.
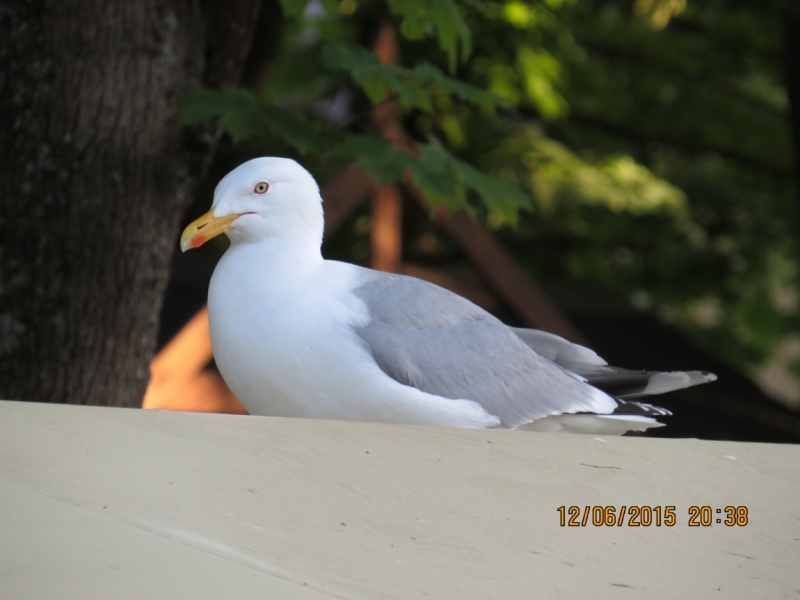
94 176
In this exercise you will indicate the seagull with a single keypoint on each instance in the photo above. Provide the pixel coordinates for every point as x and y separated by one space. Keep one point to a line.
295 335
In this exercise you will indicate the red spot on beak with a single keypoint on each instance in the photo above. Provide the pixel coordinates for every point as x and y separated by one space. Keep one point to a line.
198 241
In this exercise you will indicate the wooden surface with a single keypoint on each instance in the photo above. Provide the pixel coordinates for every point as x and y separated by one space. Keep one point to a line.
119 503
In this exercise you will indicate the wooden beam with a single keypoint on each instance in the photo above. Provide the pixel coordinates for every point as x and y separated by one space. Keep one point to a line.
386 235
386 232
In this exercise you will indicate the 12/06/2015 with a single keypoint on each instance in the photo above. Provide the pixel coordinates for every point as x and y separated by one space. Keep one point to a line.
646 516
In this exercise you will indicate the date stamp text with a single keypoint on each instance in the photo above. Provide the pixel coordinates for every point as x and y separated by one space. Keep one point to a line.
650 516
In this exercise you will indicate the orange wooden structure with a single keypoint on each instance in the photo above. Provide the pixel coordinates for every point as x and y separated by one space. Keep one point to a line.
178 380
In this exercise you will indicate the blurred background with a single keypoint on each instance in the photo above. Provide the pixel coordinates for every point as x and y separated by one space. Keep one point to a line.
619 172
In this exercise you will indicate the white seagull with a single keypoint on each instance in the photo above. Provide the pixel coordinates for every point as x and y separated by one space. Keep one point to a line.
295 335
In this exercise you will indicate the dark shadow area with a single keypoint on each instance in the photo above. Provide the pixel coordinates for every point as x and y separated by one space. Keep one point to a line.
731 408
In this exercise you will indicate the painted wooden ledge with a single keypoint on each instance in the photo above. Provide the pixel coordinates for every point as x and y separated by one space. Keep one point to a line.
119 503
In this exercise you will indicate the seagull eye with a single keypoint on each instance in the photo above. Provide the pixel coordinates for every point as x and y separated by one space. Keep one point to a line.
261 188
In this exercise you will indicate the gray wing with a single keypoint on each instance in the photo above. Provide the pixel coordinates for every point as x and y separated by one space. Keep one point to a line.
436 341
558 350
620 383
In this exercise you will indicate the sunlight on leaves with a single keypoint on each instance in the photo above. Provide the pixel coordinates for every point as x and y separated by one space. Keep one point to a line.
541 71
556 174
658 12
519 14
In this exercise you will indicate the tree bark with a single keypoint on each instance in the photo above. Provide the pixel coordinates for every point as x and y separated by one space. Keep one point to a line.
94 176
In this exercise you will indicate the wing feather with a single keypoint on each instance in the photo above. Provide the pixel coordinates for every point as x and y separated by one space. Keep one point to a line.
436 341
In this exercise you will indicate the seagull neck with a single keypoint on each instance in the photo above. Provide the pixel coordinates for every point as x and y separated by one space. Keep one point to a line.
279 254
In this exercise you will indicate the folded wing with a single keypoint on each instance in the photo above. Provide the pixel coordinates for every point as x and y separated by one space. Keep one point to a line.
434 340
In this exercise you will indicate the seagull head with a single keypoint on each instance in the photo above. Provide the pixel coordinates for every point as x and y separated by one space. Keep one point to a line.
261 199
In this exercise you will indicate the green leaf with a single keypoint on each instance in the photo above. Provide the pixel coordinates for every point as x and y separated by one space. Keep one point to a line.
376 155
377 80
239 111
293 8
500 197
330 6
442 177
541 72
411 86
292 130
435 175
432 76
556 175
445 179
439 18
243 117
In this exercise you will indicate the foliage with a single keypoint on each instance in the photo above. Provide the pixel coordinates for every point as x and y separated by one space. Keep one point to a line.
694 99
414 88
646 142
442 177
243 116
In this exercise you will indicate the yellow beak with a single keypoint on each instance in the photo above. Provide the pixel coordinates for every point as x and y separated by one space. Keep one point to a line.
203 229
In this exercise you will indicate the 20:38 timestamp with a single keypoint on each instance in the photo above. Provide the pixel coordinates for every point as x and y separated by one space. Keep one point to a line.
646 516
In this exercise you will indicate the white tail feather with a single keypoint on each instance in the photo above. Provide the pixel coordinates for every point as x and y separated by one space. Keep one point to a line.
587 423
